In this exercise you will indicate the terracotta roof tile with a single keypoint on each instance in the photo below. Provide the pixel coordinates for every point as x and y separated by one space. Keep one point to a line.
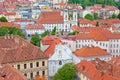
35 26
84 21
91 72
20 50
6 23
7 72
9 13
98 35
52 17
52 42
90 51
115 61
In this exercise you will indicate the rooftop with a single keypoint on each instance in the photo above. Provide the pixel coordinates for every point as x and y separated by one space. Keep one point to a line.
7 72
91 71
90 51
16 49
52 17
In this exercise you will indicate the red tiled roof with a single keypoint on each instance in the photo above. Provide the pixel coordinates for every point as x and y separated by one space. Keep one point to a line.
98 7
23 20
9 24
9 13
91 72
50 50
99 35
6 23
52 17
35 26
16 49
86 29
52 42
90 51
62 4
47 40
115 61
10 6
84 21
7 72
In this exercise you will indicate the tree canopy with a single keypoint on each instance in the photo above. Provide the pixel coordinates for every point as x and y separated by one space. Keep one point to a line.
54 31
95 16
11 30
35 40
3 19
67 72
73 33
85 3
118 16
45 34
3 31
89 16
114 16
97 24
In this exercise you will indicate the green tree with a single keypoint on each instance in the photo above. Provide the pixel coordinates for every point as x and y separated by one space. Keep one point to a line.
118 16
85 3
45 34
11 30
3 30
114 16
16 31
3 19
74 1
67 72
89 16
54 31
35 40
97 24
73 33
95 16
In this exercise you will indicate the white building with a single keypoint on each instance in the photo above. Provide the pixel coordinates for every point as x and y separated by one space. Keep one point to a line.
23 22
57 1
62 54
36 28
62 20
90 53
104 39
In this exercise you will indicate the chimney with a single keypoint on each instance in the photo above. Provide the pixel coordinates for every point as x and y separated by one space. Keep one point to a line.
5 37
16 40
11 36
8 36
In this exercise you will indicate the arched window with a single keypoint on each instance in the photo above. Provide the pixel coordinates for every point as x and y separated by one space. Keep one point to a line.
60 62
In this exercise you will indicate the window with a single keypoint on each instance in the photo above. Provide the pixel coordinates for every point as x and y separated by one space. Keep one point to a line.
18 66
37 73
43 63
117 45
31 65
12 65
31 75
106 45
25 66
116 51
43 73
25 74
37 64
60 62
